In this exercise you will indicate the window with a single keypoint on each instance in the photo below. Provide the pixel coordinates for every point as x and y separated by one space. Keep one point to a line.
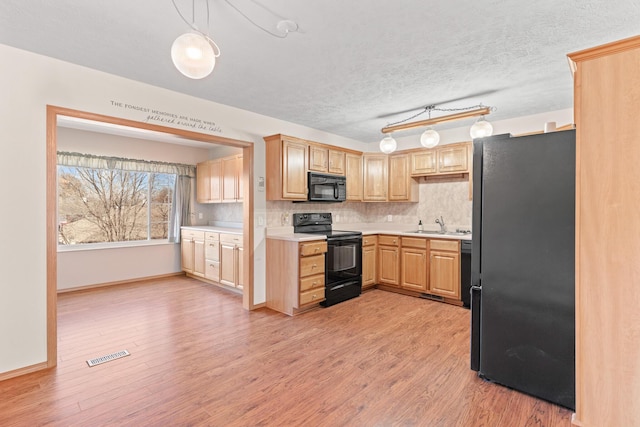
112 205
110 199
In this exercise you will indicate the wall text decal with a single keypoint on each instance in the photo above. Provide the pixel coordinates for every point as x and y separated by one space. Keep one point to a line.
168 118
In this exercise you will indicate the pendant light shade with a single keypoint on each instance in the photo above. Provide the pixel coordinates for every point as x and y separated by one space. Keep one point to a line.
193 55
429 138
481 128
388 145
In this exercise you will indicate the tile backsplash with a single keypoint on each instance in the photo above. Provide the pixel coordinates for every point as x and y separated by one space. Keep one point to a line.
446 198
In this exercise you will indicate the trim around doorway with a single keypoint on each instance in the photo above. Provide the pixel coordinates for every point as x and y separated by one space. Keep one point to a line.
52 230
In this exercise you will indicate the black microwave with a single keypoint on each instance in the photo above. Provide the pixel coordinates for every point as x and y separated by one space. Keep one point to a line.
327 188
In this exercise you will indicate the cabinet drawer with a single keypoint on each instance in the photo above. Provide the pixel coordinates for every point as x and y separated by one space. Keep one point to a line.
312 282
414 242
233 239
369 240
210 236
314 295
313 248
388 240
445 245
192 235
212 250
311 265
212 270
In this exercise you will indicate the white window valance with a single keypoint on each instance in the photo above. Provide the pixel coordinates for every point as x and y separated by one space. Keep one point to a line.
105 162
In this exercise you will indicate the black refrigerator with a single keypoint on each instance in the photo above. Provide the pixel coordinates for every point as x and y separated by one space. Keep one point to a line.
522 264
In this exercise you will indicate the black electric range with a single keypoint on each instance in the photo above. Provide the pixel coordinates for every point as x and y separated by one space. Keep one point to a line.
343 260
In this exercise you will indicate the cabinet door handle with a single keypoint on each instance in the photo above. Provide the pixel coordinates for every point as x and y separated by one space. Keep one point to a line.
314 265
313 296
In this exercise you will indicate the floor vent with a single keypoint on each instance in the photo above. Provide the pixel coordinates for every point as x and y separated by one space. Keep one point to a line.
107 358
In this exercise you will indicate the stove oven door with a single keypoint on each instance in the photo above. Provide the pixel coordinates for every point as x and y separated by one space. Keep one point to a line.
343 259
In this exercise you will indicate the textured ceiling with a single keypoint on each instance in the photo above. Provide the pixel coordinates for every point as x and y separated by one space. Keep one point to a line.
353 67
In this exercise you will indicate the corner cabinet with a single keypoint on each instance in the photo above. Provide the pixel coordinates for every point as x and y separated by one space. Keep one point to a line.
287 166
295 275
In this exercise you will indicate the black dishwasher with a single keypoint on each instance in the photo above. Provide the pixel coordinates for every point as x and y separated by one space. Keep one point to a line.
465 272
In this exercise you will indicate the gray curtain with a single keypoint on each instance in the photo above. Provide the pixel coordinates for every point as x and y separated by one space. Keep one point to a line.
180 207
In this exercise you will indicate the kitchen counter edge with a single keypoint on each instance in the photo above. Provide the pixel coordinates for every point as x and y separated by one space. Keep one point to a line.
302 237
211 228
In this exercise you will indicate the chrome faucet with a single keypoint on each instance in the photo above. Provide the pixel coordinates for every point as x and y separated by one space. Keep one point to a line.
443 228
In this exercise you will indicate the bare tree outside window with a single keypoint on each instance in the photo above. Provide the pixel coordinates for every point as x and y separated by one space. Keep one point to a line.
105 205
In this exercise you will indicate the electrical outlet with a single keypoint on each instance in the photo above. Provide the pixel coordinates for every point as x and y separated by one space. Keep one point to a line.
389 218
200 215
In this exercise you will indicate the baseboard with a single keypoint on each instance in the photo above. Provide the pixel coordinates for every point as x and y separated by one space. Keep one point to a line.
575 421
23 371
119 282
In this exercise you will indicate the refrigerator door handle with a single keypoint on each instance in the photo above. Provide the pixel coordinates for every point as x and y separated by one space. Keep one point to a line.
476 297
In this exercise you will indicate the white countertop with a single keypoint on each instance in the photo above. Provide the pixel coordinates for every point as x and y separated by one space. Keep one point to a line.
212 228
286 233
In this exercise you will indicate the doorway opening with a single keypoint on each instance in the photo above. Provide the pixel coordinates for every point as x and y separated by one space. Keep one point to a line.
53 114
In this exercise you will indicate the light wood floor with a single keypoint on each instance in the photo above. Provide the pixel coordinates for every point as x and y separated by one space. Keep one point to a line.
197 358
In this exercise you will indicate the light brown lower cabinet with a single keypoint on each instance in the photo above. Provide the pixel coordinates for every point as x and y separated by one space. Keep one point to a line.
444 268
231 260
417 265
192 252
389 260
212 256
369 257
414 263
295 275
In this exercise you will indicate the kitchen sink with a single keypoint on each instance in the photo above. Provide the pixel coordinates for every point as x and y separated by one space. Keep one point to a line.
425 232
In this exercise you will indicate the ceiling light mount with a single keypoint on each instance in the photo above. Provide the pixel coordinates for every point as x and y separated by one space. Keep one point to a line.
430 138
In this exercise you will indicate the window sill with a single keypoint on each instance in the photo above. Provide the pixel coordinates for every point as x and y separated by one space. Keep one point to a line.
112 245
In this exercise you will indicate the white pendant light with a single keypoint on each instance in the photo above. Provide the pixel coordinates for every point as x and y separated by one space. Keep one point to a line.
193 55
388 144
429 138
481 128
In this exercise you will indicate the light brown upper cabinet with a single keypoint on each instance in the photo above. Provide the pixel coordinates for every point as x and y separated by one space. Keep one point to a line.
402 188
375 178
287 166
337 162
324 159
209 181
232 179
353 172
442 160
318 158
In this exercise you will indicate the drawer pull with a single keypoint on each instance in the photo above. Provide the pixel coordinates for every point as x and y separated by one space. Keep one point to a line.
314 296
314 266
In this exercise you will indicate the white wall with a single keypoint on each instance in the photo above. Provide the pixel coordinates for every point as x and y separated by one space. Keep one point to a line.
78 268
30 82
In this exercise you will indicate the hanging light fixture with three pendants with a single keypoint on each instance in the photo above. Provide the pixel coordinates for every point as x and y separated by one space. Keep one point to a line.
430 137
